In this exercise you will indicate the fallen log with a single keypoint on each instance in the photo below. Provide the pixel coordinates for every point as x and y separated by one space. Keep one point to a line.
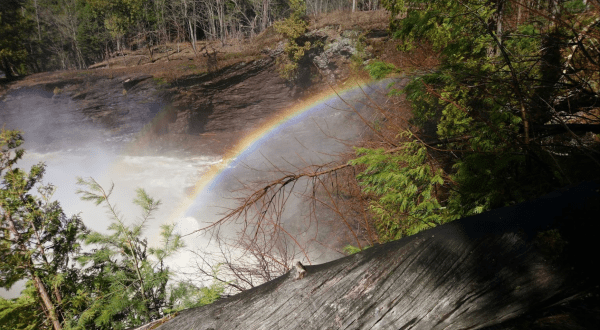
468 274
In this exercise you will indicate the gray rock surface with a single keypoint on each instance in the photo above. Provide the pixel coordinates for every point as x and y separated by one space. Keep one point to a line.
204 112
233 98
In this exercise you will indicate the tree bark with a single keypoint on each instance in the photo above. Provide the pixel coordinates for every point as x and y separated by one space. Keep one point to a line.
49 306
467 274
37 20
5 66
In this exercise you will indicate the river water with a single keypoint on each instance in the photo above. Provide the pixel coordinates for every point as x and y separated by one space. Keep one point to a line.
73 145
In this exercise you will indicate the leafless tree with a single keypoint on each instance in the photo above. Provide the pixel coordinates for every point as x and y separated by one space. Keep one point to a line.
267 242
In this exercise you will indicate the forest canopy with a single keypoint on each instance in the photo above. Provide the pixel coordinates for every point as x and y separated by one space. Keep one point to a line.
512 111
46 35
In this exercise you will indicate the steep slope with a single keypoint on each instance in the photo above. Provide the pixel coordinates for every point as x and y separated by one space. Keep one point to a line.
193 104
190 113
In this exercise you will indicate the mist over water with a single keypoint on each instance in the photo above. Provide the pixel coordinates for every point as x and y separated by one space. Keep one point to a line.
316 136
73 145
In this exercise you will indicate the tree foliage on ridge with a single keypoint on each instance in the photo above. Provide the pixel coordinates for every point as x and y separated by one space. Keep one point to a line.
515 103
43 35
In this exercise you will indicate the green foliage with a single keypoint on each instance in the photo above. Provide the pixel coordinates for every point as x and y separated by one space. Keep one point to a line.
37 241
120 283
351 249
129 279
22 313
186 295
91 33
44 35
379 69
119 15
496 81
14 28
489 181
405 189
160 81
292 29
358 58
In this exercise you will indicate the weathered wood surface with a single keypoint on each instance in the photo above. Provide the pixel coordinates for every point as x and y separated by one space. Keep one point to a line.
468 274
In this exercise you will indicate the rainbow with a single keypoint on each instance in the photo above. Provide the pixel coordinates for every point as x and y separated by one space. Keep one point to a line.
245 146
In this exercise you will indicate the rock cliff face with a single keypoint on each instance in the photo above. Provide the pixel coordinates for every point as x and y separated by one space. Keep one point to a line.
202 113
468 274
224 105
61 112
194 112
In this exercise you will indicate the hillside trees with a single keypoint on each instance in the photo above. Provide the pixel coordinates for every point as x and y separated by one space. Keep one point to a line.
60 25
292 29
41 35
515 100
91 34
13 29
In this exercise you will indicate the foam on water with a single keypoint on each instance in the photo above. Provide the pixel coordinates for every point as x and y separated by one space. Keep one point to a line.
193 188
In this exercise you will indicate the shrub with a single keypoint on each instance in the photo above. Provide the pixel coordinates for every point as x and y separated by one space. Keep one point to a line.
379 69
293 28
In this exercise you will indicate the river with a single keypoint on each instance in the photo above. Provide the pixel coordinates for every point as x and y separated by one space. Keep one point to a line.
194 188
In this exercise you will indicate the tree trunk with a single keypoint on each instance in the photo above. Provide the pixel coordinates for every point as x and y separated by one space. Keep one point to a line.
5 66
553 8
47 302
265 15
499 17
37 20
496 26
221 16
107 57
467 274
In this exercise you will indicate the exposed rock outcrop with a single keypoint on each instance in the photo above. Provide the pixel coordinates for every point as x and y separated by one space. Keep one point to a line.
197 111
231 99
331 59
205 112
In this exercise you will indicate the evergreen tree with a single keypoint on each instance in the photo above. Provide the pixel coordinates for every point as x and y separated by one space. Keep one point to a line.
512 77
91 33
22 313
407 188
14 30
127 280
292 28
120 283
37 240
